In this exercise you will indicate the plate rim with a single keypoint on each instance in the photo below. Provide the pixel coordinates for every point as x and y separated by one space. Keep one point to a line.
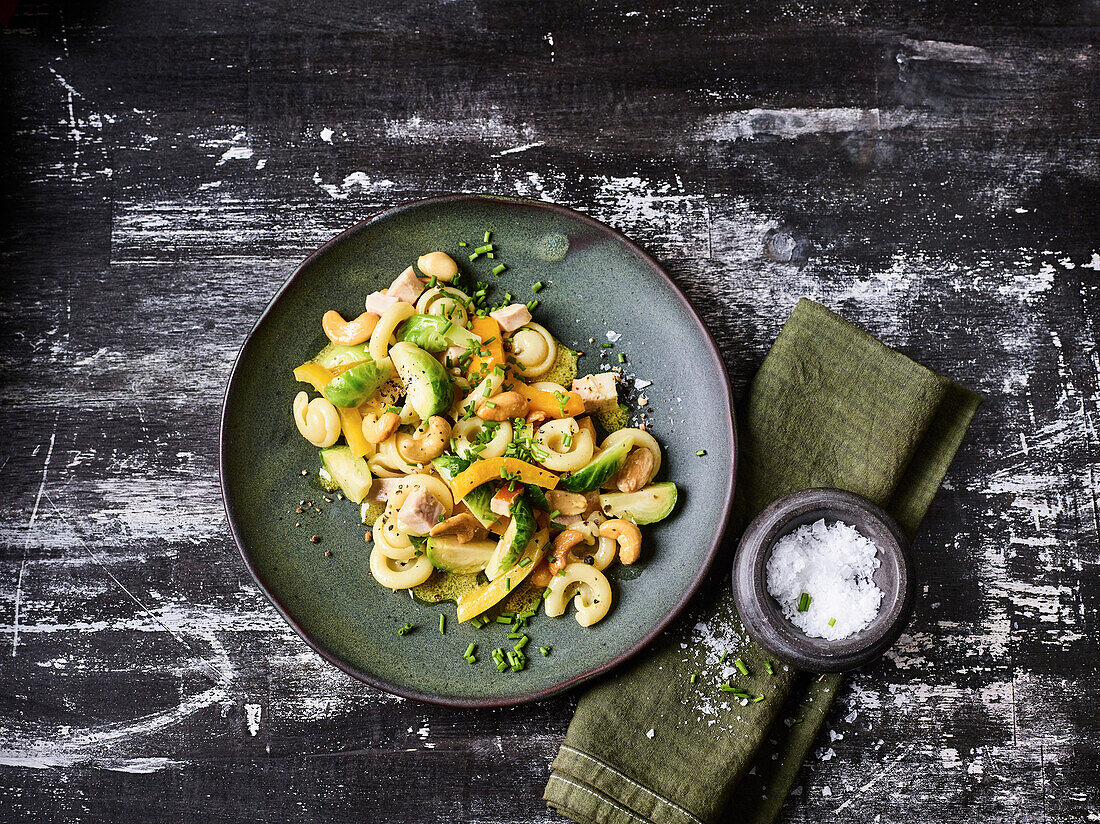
685 597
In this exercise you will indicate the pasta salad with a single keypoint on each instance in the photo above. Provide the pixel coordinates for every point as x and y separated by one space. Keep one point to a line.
475 451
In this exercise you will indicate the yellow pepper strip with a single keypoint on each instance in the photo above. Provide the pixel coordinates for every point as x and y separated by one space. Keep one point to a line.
351 422
487 329
539 400
476 601
313 373
489 469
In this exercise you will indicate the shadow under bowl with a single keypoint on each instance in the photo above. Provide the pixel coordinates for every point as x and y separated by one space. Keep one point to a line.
761 613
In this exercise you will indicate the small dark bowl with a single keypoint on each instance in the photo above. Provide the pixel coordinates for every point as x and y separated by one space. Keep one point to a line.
761 613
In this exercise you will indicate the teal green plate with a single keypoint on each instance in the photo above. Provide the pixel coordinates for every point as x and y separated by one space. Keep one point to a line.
596 281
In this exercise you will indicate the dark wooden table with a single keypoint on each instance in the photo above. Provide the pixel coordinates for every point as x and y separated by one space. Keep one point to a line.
930 172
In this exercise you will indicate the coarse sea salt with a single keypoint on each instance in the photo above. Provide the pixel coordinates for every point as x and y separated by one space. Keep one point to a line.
833 564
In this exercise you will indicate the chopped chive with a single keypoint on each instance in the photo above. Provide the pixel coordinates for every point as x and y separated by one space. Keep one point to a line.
513 635
741 668
546 593
470 649
500 267
622 358
491 256
768 668
488 234
504 619
442 624
701 453
532 305
395 410
545 651
606 345
462 243
758 699
722 657
526 560
521 643
474 257
480 250
555 514
804 602
405 630
507 583
693 677
526 615
538 287
501 666
832 622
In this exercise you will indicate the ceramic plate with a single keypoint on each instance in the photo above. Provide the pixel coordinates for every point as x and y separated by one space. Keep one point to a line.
597 281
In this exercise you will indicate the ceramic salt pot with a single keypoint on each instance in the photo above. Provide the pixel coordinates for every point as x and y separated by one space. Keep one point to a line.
763 615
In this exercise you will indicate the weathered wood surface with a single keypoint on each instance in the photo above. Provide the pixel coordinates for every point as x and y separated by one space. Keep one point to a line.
931 173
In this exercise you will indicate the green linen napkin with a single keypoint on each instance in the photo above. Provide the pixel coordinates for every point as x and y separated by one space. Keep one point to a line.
830 406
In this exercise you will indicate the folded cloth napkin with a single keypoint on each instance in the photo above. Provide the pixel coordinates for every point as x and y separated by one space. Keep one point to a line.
830 406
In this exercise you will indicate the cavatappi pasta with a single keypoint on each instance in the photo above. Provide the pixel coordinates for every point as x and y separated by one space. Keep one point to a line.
471 453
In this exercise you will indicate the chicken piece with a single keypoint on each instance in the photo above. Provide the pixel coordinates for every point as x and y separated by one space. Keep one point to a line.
420 512
379 302
382 488
597 391
511 317
452 356
501 503
406 287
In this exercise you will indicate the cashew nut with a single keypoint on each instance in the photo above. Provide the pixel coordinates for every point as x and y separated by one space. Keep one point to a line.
636 471
542 576
348 332
502 407
316 419
438 265
567 503
463 526
563 544
376 428
429 440
627 535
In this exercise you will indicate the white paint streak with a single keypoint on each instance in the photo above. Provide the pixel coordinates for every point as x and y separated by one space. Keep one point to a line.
30 534
234 153
253 713
517 149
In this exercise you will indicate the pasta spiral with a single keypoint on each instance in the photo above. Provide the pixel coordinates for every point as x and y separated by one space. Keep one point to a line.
464 431
553 436
445 301
534 349
379 346
593 593
317 420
